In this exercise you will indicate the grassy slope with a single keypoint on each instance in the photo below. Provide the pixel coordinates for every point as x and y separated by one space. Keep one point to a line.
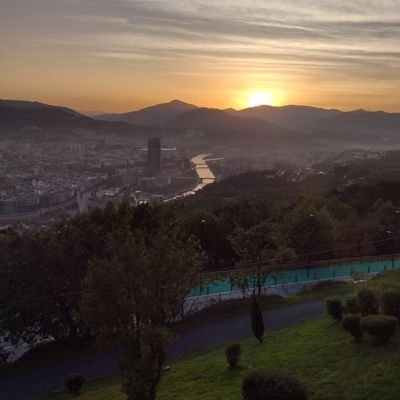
319 353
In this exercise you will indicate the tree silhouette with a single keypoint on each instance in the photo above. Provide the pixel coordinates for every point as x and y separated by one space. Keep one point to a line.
257 321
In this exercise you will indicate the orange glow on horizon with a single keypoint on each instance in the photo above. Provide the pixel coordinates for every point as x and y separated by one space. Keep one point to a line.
260 99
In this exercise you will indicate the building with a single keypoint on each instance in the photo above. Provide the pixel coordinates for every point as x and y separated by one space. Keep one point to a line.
154 156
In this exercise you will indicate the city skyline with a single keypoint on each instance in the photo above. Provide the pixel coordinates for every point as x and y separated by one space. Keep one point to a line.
125 55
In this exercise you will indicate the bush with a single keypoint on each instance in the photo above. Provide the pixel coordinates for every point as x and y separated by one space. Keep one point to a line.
380 327
351 323
367 302
74 384
391 302
261 385
334 308
352 305
232 353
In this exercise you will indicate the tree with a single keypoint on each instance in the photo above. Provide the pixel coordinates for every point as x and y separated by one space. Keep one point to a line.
206 227
132 295
310 229
40 289
257 321
42 273
262 245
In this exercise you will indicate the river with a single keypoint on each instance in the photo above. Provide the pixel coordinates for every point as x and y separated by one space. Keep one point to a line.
204 174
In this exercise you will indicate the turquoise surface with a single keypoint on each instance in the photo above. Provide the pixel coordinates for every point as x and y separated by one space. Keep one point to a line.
327 271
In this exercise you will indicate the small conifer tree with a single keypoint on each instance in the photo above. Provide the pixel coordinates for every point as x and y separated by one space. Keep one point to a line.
257 321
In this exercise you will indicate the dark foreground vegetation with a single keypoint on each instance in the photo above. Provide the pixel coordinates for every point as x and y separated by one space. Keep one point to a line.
121 275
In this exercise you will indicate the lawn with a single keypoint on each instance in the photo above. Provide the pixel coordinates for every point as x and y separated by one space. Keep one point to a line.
319 353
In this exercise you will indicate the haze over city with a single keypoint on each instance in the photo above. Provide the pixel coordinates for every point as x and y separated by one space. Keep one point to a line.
117 56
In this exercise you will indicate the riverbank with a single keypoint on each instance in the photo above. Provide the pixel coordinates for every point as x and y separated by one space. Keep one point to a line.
205 177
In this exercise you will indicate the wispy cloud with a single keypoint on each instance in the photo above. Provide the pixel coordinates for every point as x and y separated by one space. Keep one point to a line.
313 38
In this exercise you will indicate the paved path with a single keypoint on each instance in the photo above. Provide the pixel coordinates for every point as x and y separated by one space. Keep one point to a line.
34 380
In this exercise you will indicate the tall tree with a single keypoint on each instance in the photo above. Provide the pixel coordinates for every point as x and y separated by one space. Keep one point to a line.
310 229
263 246
132 296
42 273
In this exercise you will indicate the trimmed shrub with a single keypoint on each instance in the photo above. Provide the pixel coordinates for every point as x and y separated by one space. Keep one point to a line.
391 302
352 305
262 385
351 323
367 302
380 327
232 353
74 384
334 308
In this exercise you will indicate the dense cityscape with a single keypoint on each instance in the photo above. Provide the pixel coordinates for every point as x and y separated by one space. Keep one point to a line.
41 178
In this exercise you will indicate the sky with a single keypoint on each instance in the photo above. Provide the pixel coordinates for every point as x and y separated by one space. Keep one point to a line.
121 55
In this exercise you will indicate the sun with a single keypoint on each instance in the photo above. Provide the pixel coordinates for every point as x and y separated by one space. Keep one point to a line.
260 99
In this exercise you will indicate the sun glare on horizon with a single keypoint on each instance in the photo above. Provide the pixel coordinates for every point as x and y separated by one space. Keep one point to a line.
260 98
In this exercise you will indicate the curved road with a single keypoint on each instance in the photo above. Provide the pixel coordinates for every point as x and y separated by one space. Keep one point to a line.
35 379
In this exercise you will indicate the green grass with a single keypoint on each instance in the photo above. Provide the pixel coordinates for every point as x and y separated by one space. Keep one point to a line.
319 353
384 280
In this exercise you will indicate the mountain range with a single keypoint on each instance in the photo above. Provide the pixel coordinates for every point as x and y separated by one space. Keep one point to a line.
21 118
293 117
301 124
153 115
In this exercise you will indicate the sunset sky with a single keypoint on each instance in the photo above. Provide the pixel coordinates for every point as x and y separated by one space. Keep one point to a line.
119 55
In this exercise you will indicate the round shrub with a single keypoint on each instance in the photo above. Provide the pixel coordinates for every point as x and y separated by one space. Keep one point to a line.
391 302
352 305
334 308
232 353
380 327
351 323
74 383
262 385
367 302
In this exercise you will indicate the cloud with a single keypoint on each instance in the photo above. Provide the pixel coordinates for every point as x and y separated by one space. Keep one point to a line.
317 39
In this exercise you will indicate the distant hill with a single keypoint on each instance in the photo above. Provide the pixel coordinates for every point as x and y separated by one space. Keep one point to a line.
361 121
21 117
215 123
320 127
40 117
33 105
288 127
291 117
154 115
